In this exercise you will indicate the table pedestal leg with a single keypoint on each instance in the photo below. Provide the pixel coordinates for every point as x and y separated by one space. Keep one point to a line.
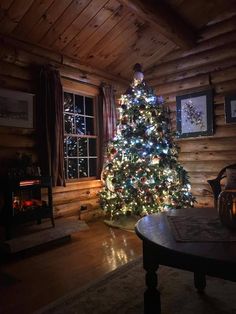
152 303
199 281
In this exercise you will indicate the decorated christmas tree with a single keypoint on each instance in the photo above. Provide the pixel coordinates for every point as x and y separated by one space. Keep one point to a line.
141 173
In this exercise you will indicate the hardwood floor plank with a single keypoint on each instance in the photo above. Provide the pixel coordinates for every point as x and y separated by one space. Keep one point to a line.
43 277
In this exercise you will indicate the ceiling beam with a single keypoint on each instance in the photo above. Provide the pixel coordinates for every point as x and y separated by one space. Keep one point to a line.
164 20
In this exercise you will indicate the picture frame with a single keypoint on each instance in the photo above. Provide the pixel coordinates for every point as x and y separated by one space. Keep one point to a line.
16 109
230 108
194 114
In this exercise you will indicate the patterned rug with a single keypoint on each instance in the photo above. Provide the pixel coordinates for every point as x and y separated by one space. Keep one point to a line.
200 229
121 292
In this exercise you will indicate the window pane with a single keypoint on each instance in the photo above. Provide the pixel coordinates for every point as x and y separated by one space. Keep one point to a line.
69 122
65 168
89 106
83 167
72 168
92 167
79 104
83 151
92 147
68 102
80 126
89 126
72 146
65 148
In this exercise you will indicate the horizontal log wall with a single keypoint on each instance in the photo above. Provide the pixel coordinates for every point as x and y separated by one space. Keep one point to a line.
17 62
211 64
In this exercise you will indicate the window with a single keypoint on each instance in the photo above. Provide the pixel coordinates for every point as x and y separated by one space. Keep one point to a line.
80 136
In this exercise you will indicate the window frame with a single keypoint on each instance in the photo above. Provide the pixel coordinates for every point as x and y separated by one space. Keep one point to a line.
93 94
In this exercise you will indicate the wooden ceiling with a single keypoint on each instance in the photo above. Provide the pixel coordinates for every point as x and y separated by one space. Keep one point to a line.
111 35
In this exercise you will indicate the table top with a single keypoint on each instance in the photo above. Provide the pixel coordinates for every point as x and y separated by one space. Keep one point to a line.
155 229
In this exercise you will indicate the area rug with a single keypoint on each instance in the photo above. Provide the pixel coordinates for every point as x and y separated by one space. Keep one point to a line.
200 229
42 234
121 292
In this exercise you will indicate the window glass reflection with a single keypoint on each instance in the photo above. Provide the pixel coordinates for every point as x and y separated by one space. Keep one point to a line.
83 143
69 123
92 147
68 102
79 104
89 106
72 168
72 146
89 126
80 125
83 167
92 167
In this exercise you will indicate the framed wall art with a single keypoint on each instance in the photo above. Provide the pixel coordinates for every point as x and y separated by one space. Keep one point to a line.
194 114
230 108
16 109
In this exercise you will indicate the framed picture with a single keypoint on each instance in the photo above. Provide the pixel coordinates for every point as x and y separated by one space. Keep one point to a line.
16 109
194 114
230 108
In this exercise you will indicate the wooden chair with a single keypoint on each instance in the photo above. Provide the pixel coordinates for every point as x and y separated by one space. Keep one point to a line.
216 183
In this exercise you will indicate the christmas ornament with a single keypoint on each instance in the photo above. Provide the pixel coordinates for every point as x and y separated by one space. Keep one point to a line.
155 160
138 75
113 151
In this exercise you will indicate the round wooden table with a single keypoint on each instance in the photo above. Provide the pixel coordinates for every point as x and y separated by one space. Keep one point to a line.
216 259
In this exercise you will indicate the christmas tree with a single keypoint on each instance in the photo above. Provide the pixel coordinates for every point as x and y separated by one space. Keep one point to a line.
141 173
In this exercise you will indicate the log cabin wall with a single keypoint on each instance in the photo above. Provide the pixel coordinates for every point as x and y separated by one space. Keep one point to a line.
211 64
17 73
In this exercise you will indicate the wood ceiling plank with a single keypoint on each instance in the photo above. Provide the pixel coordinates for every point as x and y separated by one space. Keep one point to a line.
101 32
47 20
146 46
13 15
79 23
201 12
4 6
68 16
107 11
119 38
160 53
164 20
127 43
107 40
32 16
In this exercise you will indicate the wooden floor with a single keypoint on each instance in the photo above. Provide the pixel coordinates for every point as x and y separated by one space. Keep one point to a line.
30 282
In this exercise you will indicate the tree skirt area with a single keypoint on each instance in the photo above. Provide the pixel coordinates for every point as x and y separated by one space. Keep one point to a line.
123 222
121 292
40 234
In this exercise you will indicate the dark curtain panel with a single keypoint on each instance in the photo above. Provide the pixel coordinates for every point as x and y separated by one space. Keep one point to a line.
108 118
49 124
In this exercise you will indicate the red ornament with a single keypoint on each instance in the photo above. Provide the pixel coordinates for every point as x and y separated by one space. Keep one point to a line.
143 179
113 151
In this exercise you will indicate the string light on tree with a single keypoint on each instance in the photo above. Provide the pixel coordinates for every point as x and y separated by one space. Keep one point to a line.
141 174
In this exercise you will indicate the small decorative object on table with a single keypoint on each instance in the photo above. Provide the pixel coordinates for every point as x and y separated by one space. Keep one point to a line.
227 208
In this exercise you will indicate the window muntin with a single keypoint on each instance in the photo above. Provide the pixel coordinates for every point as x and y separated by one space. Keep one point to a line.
80 138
